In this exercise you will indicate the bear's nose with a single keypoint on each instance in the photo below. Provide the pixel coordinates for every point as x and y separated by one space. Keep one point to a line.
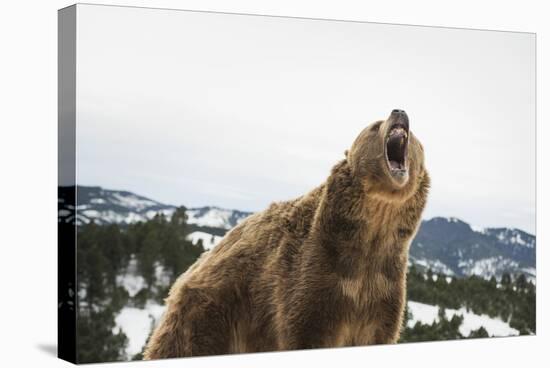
399 117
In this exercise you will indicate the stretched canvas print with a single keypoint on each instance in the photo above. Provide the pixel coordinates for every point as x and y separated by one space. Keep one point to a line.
234 183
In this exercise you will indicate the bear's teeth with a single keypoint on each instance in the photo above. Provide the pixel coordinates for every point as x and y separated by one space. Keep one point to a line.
398 131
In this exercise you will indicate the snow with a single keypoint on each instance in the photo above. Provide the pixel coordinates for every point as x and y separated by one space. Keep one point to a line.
209 241
487 267
513 236
478 229
214 217
421 262
132 284
133 217
494 326
132 201
137 324
130 280
436 265
111 216
423 313
532 273
427 314
441 267
517 239
161 275
91 213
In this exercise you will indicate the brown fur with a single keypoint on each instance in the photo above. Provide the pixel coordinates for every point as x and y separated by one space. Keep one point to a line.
324 270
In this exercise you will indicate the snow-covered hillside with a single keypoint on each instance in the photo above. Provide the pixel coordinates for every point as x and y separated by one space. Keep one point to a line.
105 206
427 314
451 246
215 217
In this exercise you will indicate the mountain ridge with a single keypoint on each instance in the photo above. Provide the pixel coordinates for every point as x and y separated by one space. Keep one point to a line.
444 244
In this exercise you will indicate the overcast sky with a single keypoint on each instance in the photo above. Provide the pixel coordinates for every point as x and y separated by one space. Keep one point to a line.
239 111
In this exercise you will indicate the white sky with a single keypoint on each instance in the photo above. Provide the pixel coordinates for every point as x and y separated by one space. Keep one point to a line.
239 111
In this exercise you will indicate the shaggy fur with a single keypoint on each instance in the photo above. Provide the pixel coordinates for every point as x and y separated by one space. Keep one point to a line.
326 269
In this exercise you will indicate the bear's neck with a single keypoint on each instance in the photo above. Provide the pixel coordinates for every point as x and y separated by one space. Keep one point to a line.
353 226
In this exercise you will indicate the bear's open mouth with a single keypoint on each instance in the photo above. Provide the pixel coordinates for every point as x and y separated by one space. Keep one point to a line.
396 148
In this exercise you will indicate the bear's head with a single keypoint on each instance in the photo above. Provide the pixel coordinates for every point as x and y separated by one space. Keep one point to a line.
388 159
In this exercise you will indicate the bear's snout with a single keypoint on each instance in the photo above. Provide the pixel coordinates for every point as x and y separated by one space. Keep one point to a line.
398 116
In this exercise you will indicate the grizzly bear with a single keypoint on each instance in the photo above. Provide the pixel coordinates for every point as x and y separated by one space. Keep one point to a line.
326 269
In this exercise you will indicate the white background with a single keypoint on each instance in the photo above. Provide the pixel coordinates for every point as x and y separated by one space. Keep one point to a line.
28 179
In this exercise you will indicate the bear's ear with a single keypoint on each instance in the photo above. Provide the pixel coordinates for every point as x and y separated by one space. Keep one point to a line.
346 154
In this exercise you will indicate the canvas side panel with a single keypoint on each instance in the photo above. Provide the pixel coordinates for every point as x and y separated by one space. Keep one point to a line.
66 218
